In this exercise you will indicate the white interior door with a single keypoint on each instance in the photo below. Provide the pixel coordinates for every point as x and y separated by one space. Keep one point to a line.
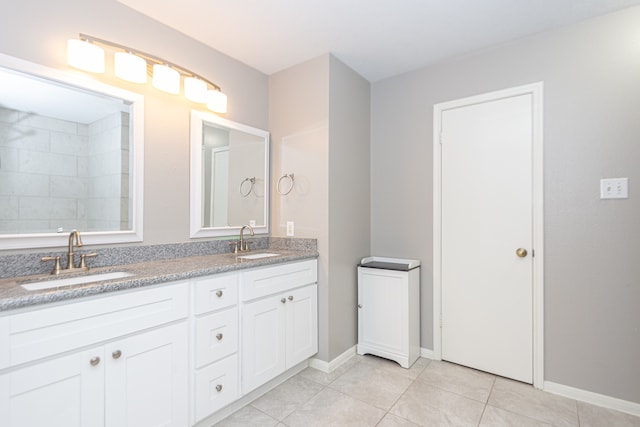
486 225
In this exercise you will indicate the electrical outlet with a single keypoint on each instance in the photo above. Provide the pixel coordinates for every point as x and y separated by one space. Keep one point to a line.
614 188
290 229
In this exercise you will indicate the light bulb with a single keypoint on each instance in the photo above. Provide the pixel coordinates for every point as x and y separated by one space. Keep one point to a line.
216 101
166 79
130 67
195 89
85 56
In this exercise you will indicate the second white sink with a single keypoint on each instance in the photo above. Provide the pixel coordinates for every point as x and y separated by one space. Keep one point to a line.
78 280
257 256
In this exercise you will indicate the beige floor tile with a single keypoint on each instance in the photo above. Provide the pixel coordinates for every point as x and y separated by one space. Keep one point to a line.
495 417
372 384
332 408
285 398
327 378
458 379
427 405
595 416
248 416
390 420
525 400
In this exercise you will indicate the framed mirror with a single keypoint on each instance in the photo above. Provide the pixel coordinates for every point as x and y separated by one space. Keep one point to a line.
71 157
229 176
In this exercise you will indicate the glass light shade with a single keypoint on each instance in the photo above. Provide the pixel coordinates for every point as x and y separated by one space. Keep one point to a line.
85 56
166 79
195 90
130 67
216 101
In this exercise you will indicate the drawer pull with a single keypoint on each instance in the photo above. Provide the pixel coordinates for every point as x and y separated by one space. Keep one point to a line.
290 297
283 300
219 388
218 293
94 361
219 337
116 354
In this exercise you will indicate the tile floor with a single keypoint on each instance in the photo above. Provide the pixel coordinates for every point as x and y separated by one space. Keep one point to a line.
369 391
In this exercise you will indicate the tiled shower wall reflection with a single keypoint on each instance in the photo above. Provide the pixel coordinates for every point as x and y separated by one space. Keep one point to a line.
60 174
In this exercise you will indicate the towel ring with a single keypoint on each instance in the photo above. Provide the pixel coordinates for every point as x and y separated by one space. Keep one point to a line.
278 187
251 182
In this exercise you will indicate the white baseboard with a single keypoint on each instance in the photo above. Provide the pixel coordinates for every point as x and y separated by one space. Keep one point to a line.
593 398
328 367
426 353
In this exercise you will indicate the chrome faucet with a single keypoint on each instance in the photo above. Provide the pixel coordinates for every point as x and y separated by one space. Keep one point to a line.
242 245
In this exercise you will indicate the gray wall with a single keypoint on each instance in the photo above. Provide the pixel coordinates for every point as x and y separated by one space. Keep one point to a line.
320 132
349 200
591 73
37 31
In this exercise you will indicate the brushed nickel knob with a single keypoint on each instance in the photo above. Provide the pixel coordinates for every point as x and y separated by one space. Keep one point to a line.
116 354
359 305
290 297
283 300
219 387
218 294
94 361
521 252
219 337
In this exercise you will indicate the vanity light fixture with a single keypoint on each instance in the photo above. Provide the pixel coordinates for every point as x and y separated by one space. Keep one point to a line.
133 65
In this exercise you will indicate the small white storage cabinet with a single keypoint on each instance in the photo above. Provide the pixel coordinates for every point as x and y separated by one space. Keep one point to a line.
109 361
389 309
279 320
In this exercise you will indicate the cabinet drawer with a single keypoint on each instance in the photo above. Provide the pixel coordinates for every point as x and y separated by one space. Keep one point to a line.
216 336
270 280
215 292
216 386
44 332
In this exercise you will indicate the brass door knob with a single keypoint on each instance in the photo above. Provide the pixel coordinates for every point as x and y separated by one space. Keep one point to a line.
521 252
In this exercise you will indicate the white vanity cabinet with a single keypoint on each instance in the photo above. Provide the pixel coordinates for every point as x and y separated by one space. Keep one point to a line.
279 320
215 343
116 360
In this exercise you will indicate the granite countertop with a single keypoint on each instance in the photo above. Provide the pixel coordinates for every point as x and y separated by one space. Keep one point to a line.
13 296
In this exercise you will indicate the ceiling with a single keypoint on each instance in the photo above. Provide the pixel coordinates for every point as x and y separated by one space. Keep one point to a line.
377 38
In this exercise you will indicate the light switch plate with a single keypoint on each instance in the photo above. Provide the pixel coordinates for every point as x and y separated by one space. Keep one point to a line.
290 229
614 188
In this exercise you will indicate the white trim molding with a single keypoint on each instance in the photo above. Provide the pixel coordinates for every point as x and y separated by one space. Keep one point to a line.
593 398
328 367
536 91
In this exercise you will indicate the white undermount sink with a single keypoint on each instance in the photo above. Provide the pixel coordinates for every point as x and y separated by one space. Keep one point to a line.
78 280
257 256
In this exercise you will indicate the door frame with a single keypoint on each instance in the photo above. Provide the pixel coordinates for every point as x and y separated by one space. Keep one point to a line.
536 90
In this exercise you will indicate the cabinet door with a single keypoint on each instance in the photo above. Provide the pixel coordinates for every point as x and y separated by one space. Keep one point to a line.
263 341
383 312
147 379
64 392
302 324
